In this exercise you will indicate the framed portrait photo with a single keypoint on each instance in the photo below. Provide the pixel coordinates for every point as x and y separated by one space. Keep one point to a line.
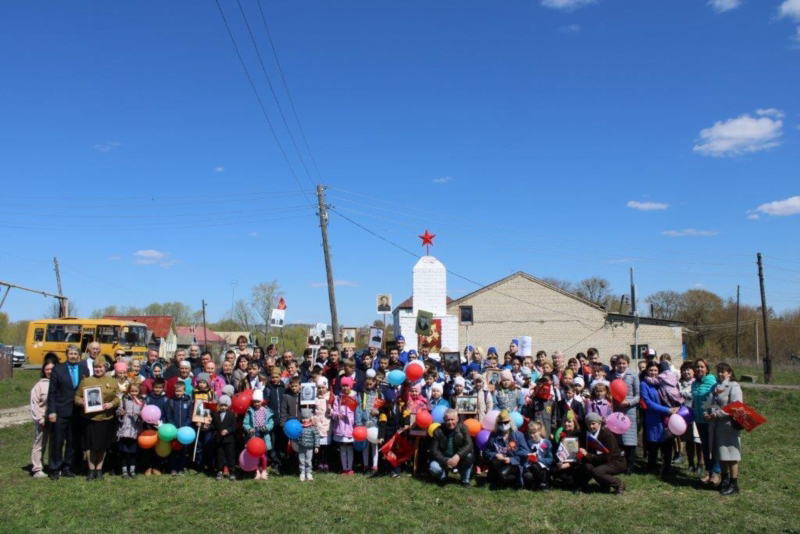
493 378
383 303
568 450
465 315
308 394
201 414
467 405
93 400
349 337
375 337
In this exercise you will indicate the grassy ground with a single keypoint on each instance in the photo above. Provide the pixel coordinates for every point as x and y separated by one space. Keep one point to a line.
768 502
782 374
17 391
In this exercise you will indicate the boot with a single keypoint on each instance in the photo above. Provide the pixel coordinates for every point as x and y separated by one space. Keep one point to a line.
726 483
132 471
732 488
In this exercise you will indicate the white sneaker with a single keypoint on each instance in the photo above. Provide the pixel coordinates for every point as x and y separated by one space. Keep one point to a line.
302 477
40 474
309 477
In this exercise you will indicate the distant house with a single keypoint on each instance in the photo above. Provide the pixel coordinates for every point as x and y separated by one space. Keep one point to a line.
161 327
197 335
231 337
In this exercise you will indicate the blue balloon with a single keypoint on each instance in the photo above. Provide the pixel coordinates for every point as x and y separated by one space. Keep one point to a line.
517 418
396 377
438 414
186 435
293 429
359 445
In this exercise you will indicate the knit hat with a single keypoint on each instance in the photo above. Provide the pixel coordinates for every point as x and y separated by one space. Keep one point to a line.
346 381
389 395
228 390
437 387
370 373
578 381
120 368
492 350
593 417
224 400
459 381
322 382
506 375
305 413
258 395
186 363
203 377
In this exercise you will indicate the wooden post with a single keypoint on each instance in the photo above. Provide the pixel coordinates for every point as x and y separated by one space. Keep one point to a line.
767 359
6 365
323 224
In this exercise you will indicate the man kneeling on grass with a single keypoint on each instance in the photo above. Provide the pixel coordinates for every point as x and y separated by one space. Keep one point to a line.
451 448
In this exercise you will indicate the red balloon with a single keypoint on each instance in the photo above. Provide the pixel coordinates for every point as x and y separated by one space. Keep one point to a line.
247 394
176 445
619 390
424 419
256 447
239 404
360 433
414 372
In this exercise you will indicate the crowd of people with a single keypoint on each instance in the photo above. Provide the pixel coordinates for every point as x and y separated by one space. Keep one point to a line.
522 422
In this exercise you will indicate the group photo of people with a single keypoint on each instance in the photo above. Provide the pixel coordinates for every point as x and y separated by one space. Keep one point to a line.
579 422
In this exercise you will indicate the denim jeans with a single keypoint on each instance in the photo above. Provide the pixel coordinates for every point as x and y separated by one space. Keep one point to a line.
463 469
706 439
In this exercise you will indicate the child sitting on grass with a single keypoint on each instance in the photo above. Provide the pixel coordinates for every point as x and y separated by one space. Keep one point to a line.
540 457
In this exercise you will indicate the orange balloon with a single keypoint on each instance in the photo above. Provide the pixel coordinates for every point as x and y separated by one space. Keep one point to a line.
473 426
148 439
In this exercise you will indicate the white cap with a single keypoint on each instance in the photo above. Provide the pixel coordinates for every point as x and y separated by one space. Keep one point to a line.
258 395
578 381
186 363
438 386
370 373
459 381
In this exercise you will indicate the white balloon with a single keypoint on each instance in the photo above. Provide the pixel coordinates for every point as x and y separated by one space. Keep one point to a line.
372 434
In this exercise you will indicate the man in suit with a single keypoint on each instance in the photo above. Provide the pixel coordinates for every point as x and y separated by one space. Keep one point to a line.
87 365
64 381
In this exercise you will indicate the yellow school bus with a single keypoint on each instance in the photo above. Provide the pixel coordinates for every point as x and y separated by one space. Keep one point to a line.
52 337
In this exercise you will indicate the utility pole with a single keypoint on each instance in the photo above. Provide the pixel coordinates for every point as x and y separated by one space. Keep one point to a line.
323 224
737 322
234 283
635 313
622 302
204 324
767 360
758 358
63 304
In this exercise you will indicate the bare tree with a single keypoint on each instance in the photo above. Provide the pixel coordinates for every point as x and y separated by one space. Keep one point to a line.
594 289
264 299
566 285
53 311
666 304
243 314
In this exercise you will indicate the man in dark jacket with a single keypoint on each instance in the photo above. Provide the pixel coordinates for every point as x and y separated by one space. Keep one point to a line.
600 457
451 448
65 452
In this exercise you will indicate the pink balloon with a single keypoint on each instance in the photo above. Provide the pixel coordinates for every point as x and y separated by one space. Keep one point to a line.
677 424
490 419
247 462
618 423
151 414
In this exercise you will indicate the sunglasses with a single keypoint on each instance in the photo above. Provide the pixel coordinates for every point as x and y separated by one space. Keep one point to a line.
505 422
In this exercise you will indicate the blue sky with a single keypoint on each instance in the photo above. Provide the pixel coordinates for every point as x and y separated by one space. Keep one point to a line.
564 138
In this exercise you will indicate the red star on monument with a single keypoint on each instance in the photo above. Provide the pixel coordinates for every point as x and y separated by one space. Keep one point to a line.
427 239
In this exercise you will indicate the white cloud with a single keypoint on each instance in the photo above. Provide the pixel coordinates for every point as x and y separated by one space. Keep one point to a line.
742 135
778 208
689 232
790 9
753 217
336 283
570 29
770 112
219 169
566 5
795 39
253 234
107 147
153 257
721 6
114 257
442 180
647 206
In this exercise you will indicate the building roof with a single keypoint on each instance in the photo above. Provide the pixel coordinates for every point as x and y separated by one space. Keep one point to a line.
159 324
196 332
409 303
230 337
532 279
624 317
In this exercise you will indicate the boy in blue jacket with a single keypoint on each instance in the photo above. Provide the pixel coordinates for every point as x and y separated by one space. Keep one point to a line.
157 397
179 413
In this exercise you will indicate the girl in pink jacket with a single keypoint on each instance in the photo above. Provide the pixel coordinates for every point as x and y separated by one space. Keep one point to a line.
41 427
345 412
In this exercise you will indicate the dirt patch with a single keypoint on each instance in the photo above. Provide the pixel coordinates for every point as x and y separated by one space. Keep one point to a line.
15 416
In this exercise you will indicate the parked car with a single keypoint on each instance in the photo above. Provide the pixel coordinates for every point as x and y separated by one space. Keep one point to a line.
17 354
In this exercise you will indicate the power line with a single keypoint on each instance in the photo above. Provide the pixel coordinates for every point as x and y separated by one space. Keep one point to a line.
167 215
260 103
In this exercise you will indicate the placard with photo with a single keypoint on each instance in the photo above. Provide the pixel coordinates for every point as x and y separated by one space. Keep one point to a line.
375 337
308 393
93 400
467 405
383 303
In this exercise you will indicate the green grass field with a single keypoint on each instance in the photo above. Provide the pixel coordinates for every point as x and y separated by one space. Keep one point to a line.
17 391
768 502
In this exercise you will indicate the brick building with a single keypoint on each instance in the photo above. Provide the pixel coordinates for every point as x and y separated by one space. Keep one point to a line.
522 305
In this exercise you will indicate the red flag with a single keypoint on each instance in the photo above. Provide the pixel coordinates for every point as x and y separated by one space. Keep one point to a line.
743 414
595 444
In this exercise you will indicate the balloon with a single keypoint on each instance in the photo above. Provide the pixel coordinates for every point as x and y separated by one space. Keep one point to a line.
360 433
293 429
618 423
163 448
482 439
677 424
414 371
517 419
359 445
432 428
148 439
424 419
619 390
151 414
167 432
438 414
473 426
396 377
247 394
247 462
372 434
240 403
490 419
176 445
256 447
186 435
687 414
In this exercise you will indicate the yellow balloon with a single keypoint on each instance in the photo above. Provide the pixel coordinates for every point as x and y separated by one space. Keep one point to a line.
163 448
433 427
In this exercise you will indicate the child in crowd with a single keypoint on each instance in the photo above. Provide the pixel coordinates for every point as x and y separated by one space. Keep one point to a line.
485 398
573 404
524 381
540 457
147 384
507 359
598 402
322 418
541 406
179 413
129 414
307 444
203 456
393 418
491 359
564 470
458 390
430 379
258 423
370 404
223 424
580 387
416 402
598 375
506 396
344 413
157 397
437 399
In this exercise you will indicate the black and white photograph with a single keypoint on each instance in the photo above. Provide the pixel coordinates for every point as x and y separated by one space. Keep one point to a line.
424 322
451 362
201 414
467 405
568 450
93 400
384 303
493 378
465 315
349 337
308 393
277 318
375 337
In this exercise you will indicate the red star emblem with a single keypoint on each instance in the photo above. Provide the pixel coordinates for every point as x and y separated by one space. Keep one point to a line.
427 238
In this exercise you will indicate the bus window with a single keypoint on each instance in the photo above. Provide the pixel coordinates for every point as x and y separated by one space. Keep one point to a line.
73 333
108 334
38 334
56 333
